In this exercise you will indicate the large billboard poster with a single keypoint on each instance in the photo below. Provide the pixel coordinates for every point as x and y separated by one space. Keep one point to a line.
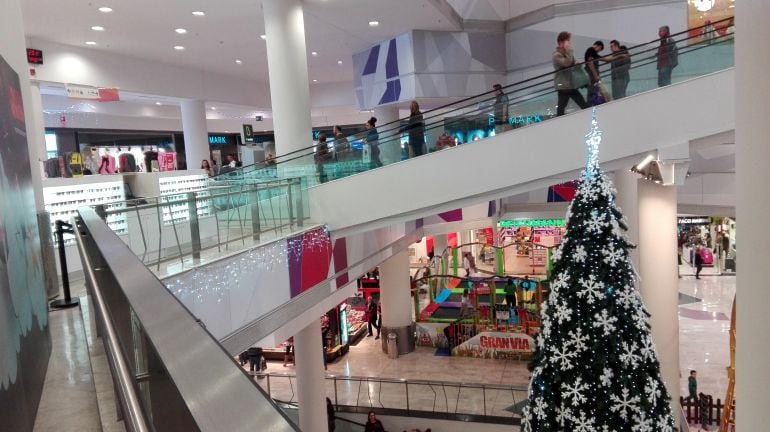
24 339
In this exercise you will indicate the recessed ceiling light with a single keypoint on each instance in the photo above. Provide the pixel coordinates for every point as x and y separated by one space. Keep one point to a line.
314 54
105 9
97 28
239 61
213 108
199 13
315 80
90 43
263 37
339 61
374 23
179 48
158 103
180 31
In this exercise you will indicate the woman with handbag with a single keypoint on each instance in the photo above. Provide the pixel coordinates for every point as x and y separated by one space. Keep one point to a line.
567 78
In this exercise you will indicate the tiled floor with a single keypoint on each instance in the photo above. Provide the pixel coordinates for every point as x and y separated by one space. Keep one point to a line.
704 346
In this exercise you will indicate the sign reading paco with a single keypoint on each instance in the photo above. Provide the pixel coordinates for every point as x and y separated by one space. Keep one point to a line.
496 345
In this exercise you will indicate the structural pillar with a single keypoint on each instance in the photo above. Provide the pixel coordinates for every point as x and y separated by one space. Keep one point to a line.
441 259
627 199
659 279
36 140
287 66
310 378
390 137
196 133
752 139
396 302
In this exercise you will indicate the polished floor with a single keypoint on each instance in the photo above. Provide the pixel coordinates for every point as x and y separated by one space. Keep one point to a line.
78 379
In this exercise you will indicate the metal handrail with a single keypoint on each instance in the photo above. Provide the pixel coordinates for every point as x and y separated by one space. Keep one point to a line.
128 397
217 395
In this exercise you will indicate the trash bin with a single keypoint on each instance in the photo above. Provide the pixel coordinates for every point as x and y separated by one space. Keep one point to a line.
392 346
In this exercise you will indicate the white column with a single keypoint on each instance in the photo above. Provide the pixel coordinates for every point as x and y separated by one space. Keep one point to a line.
390 138
627 199
287 65
36 141
752 138
396 302
196 133
659 281
310 378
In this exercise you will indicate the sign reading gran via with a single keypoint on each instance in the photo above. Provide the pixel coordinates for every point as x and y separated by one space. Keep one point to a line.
530 223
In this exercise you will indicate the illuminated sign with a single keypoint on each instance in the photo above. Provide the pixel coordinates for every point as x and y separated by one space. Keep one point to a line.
34 56
697 220
530 223
217 139
518 120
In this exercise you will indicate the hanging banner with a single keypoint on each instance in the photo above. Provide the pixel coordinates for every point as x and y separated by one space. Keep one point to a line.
495 345
75 91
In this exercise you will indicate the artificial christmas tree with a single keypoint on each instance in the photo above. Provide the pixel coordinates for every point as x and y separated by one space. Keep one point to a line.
595 367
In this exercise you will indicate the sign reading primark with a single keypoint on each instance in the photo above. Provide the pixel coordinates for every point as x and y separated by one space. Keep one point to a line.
530 223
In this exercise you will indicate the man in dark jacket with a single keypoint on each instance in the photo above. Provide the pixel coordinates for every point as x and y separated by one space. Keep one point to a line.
668 56
620 64
698 259
255 359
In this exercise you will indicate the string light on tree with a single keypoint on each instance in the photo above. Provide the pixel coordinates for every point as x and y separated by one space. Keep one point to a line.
595 367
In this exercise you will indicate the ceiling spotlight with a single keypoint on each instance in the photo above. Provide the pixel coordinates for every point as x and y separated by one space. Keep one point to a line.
213 108
105 9
179 48
263 37
158 103
649 169
90 43
238 61
180 31
199 13
315 80
97 28
374 23
314 54
339 62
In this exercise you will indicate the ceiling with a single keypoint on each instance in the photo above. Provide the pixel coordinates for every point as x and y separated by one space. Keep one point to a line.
230 30
499 10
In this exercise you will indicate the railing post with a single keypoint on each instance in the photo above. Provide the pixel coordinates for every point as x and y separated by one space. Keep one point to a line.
484 395
289 202
195 233
300 207
67 302
336 400
269 395
407 397
255 225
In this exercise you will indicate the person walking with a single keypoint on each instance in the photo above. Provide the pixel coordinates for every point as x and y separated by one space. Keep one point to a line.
372 424
322 156
373 139
620 65
501 110
698 259
416 129
371 317
563 64
289 352
703 411
668 56
342 149
692 386
592 70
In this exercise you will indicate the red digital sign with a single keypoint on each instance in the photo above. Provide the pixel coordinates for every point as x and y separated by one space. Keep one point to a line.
34 56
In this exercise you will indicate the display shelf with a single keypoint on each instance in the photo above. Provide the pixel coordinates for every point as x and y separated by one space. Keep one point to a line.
63 197
175 187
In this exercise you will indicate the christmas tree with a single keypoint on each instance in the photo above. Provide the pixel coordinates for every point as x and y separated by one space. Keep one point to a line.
595 367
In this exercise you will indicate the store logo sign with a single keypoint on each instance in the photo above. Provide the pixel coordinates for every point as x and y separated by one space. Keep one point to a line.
530 223
217 139
519 120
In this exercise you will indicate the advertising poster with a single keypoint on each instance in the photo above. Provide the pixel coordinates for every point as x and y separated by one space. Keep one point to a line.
167 161
431 334
496 345
24 341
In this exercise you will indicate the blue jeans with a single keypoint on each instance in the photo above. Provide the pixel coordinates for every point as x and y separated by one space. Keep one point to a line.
664 76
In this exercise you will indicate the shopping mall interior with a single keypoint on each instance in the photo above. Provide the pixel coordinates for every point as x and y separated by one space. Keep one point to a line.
417 215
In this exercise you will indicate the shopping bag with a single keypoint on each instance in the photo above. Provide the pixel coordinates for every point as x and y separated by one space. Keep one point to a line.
603 91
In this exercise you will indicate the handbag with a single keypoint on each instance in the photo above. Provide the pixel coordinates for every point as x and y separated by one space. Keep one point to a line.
603 90
579 77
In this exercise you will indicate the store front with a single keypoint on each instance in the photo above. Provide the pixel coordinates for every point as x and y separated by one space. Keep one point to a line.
713 238
527 244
